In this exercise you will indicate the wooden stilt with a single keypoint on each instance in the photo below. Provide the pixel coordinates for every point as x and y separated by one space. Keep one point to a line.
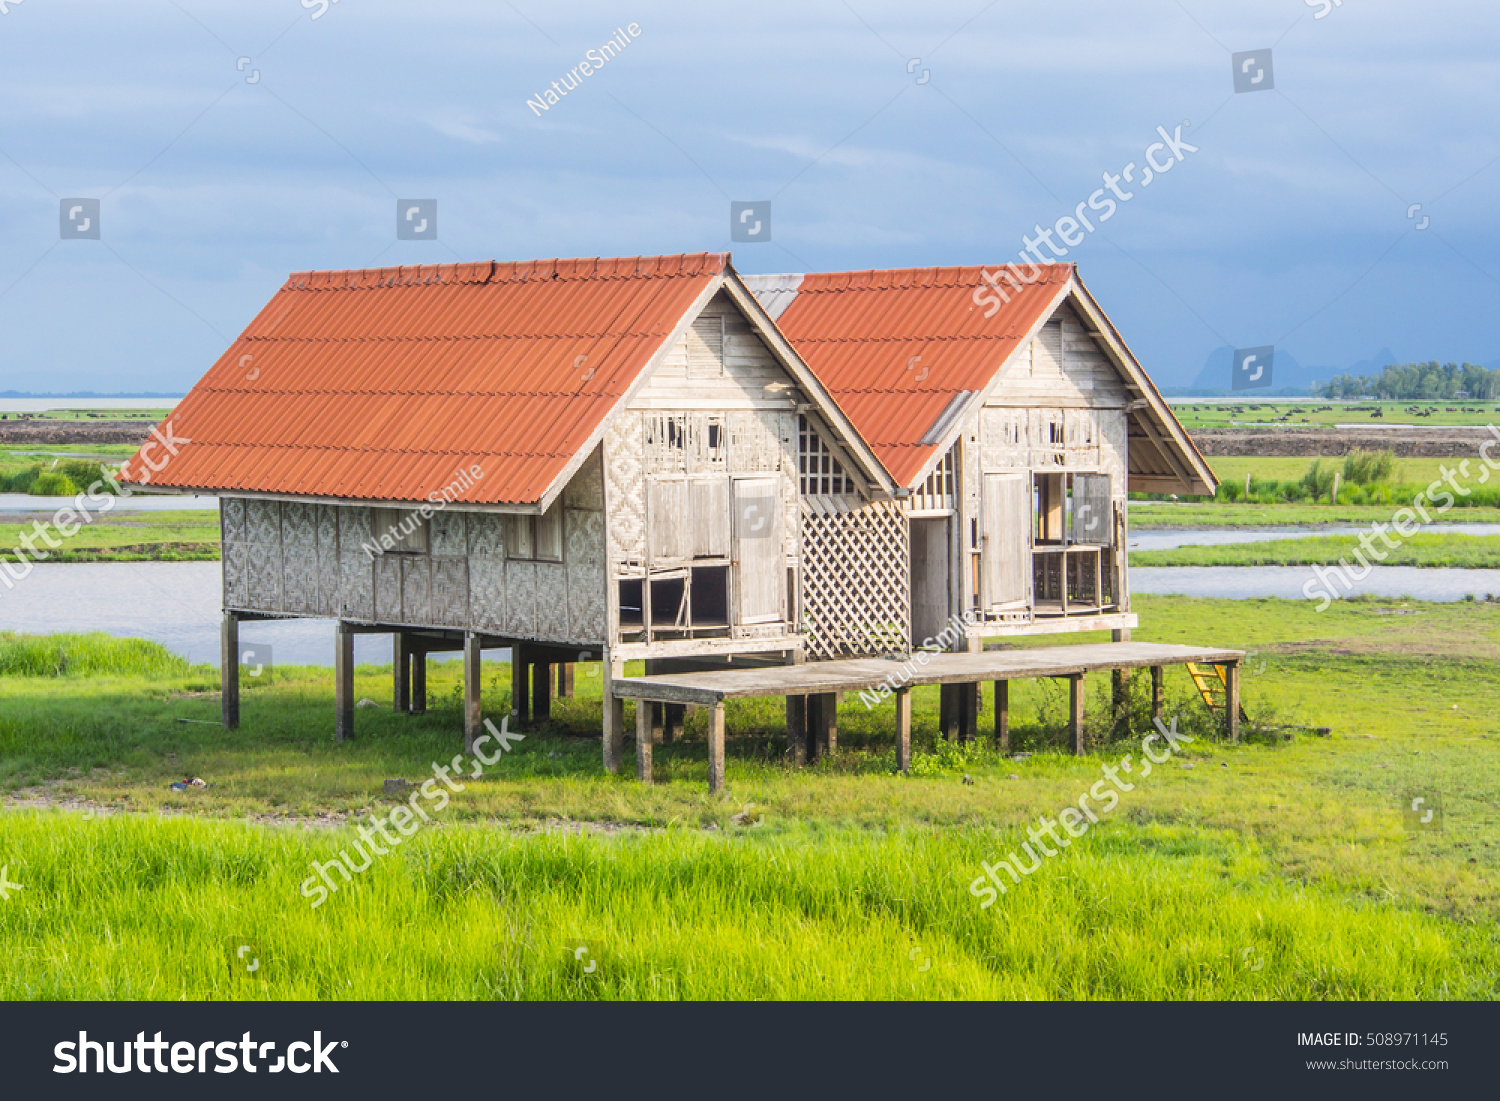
229 671
903 730
796 729
823 714
1075 711
473 673
968 711
343 683
418 680
400 673
1232 700
520 683
565 680
716 748
1002 715
541 692
945 710
645 735
1120 697
658 722
614 715
672 723
1158 691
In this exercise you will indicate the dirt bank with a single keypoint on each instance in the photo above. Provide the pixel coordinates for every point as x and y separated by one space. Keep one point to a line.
39 433
1312 442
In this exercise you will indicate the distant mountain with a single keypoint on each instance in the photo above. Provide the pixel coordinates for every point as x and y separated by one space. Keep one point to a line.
1287 374
87 394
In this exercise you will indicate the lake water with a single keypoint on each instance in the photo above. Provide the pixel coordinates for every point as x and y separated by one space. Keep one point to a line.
43 405
1170 540
143 502
177 603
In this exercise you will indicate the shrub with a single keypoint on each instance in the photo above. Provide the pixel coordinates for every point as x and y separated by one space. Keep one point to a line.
1367 467
53 484
1318 481
85 655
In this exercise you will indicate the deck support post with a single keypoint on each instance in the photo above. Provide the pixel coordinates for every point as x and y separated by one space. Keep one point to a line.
671 727
614 714
1002 715
1075 711
903 730
946 720
796 730
967 698
400 672
418 703
1232 700
716 748
565 680
1158 691
541 692
823 713
520 684
658 722
343 683
229 671
473 672
645 734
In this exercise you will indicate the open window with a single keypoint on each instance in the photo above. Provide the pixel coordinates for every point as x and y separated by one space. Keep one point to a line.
1074 553
538 538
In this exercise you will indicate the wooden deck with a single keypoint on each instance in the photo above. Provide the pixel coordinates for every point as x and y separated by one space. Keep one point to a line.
811 691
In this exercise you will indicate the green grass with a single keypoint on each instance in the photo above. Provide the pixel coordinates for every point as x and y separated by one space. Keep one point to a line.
1477 552
126 535
1249 413
1211 514
811 883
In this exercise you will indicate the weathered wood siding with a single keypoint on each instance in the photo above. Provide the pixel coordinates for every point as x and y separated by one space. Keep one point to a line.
290 558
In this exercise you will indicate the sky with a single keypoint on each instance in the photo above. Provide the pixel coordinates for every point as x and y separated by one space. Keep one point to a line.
1340 210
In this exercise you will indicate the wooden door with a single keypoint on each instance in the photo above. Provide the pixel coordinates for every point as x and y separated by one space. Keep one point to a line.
759 558
930 566
1005 557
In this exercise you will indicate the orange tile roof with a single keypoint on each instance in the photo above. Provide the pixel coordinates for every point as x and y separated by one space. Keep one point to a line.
380 384
861 331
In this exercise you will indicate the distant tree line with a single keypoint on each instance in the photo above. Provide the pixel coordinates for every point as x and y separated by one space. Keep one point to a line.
1418 381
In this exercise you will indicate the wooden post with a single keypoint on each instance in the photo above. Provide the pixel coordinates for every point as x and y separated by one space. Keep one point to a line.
796 730
1232 700
1120 698
645 733
968 710
400 672
1333 498
672 722
541 692
520 684
343 683
614 714
1247 488
1002 715
945 710
418 680
1158 691
1075 711
716 748
658 721
903 730
823 714
473 672
229 671
565 680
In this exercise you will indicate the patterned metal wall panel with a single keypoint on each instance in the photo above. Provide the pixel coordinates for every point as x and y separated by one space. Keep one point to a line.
416 589
388 589
232 519
299 557
624 484
449 539
487 593
236 580
520 598
263 569
328 561
356 586
263 522
450 592
552 601
586 490
354 528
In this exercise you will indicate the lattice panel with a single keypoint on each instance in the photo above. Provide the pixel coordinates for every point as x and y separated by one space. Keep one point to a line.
856 584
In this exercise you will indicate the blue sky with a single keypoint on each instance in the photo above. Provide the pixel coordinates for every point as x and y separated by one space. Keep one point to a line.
1289 225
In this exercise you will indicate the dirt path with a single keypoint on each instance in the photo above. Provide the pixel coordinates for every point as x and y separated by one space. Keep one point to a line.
1314 441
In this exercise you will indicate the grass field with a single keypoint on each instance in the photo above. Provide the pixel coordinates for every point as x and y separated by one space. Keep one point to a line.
1165 515
186 535
1265 870
1249 413
1474 552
